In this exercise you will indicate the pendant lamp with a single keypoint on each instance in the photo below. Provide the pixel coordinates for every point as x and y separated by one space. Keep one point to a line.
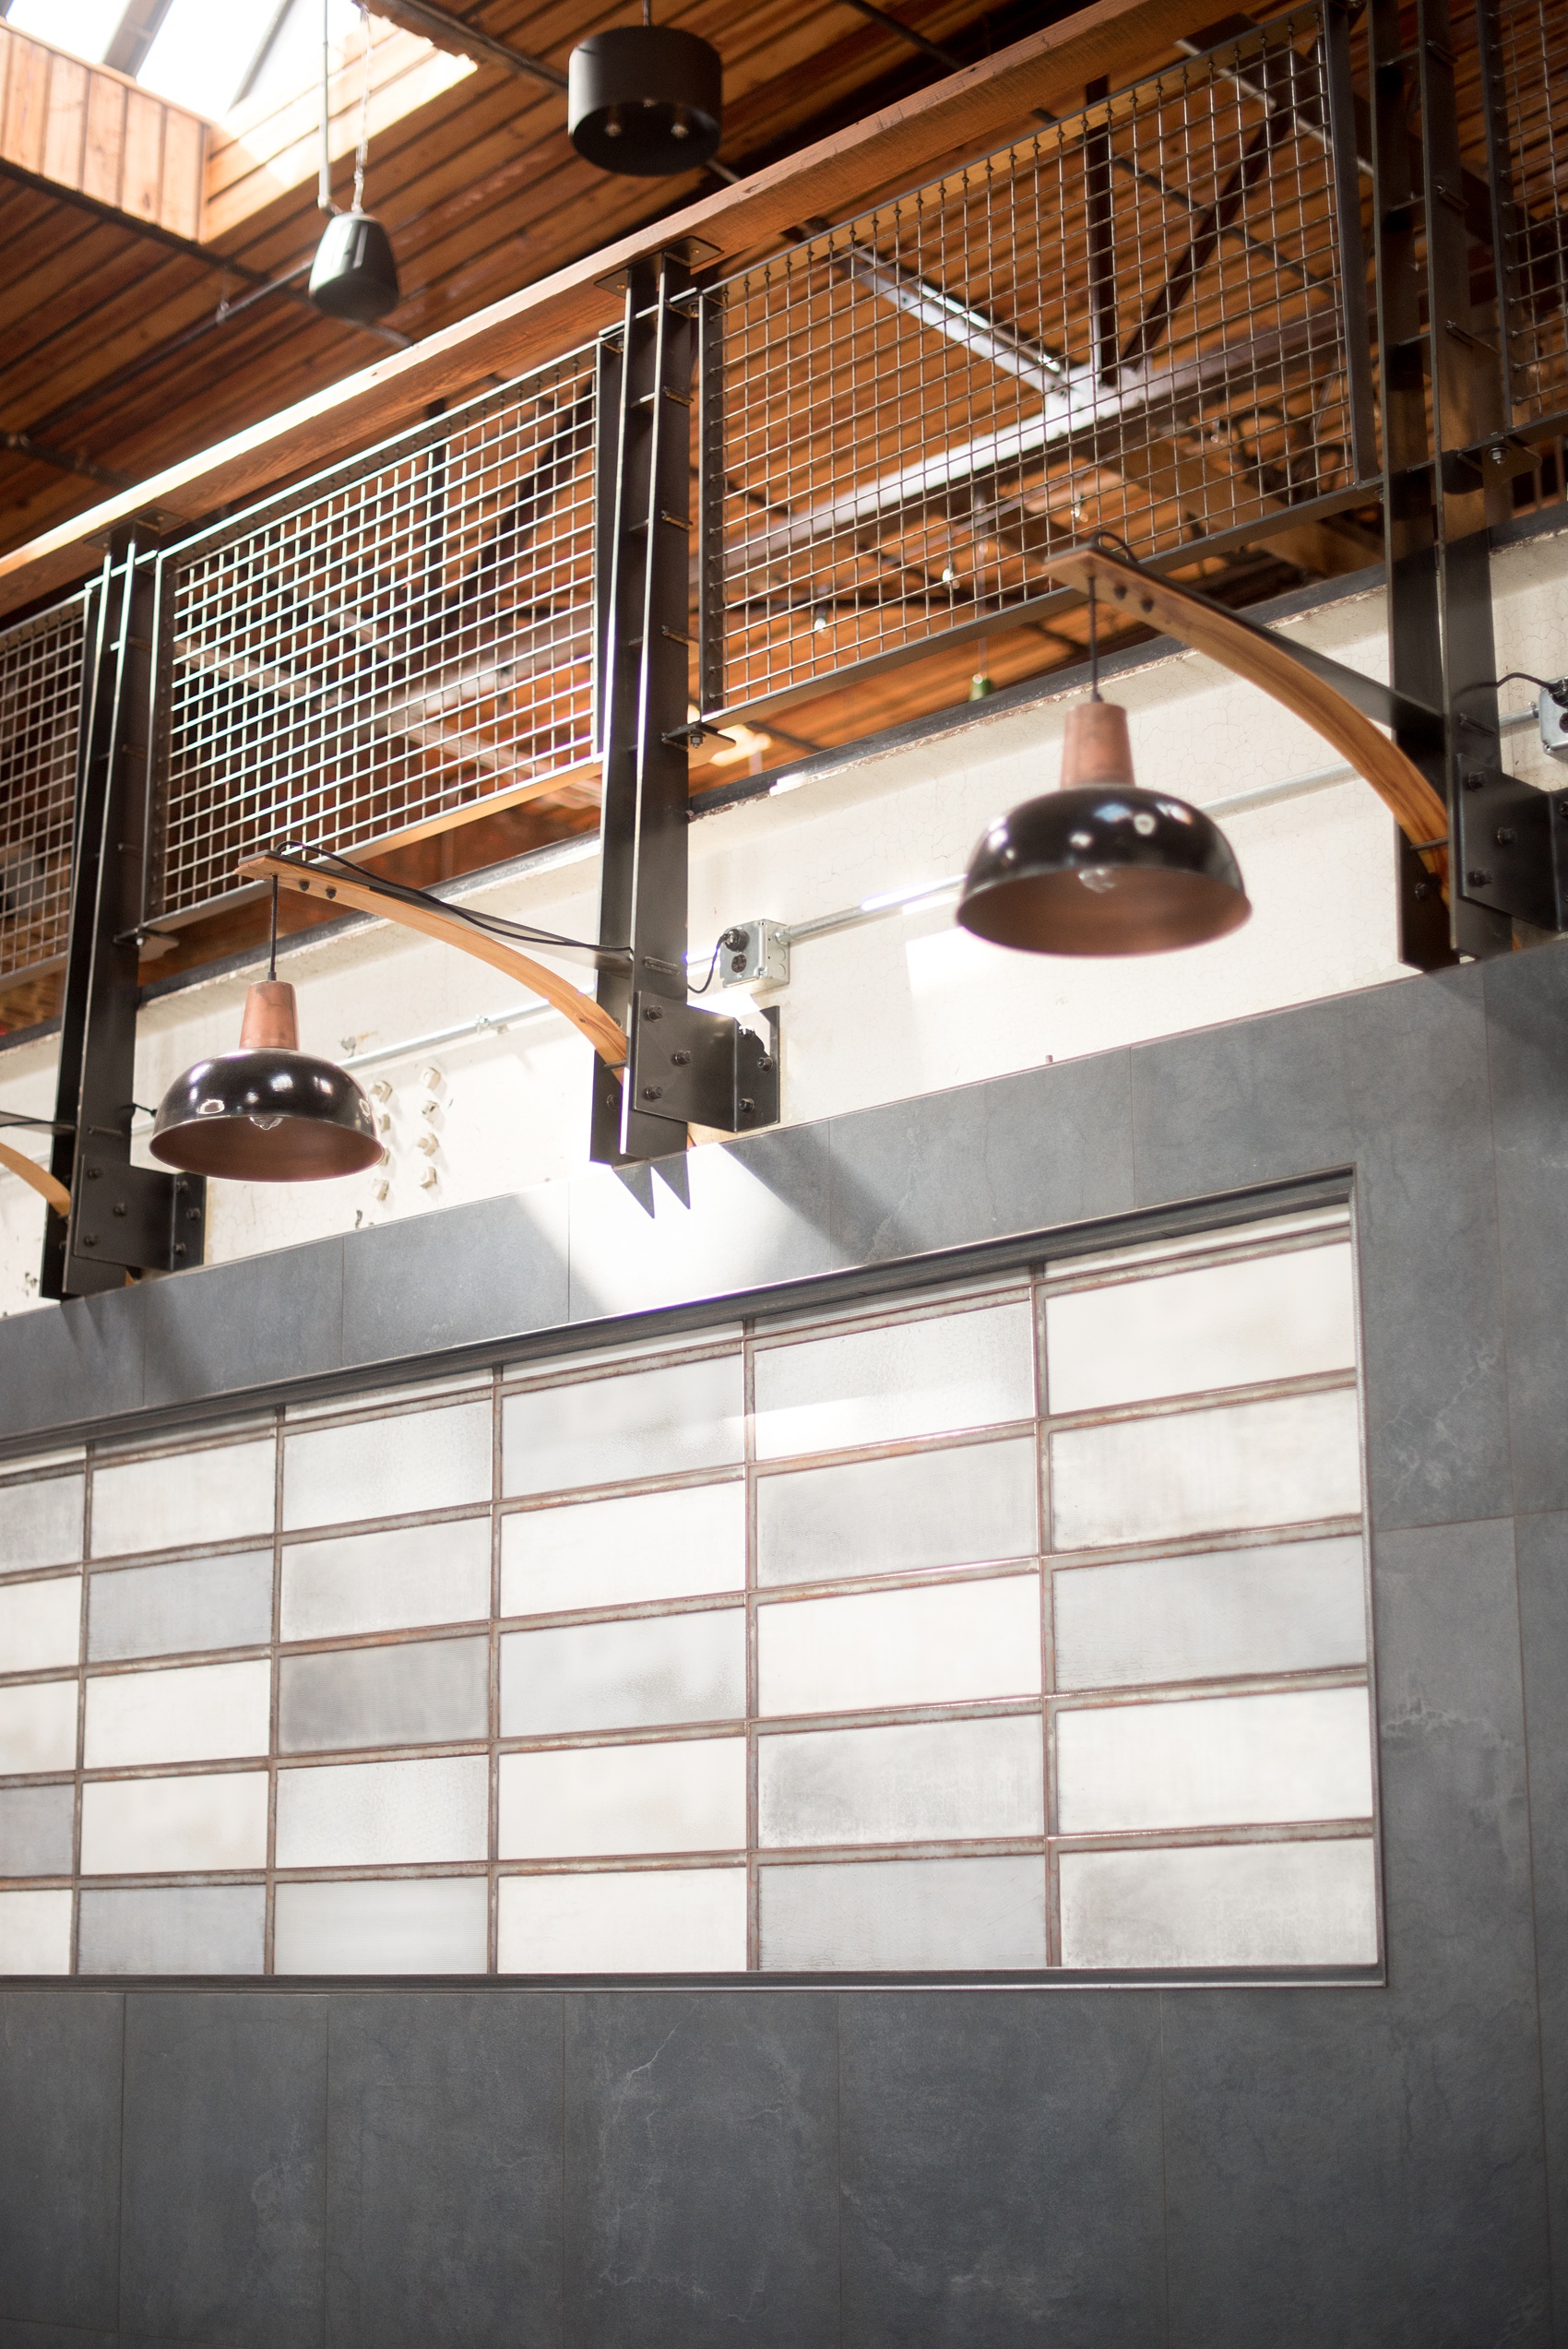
645 100
355 275
1098 867
269 1112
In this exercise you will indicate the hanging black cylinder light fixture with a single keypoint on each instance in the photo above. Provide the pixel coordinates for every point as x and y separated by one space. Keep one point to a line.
355 272
269 1112
646 101
1100 867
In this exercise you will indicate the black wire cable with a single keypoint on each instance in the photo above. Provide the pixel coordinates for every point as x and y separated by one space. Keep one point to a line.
497 925
1556 686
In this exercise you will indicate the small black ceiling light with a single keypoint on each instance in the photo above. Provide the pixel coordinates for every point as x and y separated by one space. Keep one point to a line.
269 1112
645 100
355 272
1098 867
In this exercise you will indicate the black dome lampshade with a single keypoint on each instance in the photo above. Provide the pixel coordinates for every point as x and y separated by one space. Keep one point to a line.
269 1112
645 100
355 273
1100 867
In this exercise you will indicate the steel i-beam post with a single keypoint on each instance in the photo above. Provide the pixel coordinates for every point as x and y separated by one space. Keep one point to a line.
124 1218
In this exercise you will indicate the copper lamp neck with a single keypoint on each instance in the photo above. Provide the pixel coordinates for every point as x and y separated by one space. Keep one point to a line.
271 1022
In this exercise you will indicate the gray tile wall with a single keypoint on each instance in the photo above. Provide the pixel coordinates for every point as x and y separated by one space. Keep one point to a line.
1198 2168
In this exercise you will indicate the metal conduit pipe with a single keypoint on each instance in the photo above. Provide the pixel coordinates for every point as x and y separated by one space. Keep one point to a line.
1295 786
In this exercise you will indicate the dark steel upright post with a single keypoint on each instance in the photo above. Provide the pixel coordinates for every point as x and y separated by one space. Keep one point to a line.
1438 587
645 577
1354 308
122 1217
710 501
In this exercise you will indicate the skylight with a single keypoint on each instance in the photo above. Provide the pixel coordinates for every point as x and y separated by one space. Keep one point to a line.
211 59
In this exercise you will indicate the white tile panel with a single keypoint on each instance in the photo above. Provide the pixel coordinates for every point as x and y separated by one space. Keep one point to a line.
399 1925
173 1928
898 1915
160 1826
677 1920
619 1552
192 1713
1308 1903
966 1504
41 1524
917 1378
1211 1761
1292 1607
40 1623
940 1644
1286 1461
388 1582
1185 1333
668 1421
335 1475
646 1672
180 1499
368 1814
37 1726
585 1801
35 1932
916 1783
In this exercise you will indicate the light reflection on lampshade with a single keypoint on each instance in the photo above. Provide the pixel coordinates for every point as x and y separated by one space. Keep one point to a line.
269 1112
1100 867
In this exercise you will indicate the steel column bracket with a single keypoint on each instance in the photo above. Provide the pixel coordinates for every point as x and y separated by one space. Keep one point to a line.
137 1219
702 1068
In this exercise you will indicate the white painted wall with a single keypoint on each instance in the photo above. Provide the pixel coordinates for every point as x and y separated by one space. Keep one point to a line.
902 1005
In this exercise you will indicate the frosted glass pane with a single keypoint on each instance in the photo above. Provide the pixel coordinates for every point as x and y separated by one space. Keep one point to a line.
40 1524
624 1676
1268 1317
35 1932
617 1553
933 1646
192 1604
962 1507
387 1467
368 1814
388 1582
901 1786
1278 1463
677 1920
37 1727
1296 1606
1212 1761
903 1915
40 1623
183 1499
645 1423
420 1693
588 1800
156 1826
410 1924
1222 1904
909 1379
197 1713
36 1825
175 1928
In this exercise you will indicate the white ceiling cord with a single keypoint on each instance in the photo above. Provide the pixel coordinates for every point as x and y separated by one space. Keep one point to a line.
324 202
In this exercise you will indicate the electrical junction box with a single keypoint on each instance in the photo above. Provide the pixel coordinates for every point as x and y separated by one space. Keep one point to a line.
1553 724
754 953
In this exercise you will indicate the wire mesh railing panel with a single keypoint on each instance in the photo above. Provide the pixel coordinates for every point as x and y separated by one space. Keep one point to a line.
1530 41
402 642
1132 320
40 691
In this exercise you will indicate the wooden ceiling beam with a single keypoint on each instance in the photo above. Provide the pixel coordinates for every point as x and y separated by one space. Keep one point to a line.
899 145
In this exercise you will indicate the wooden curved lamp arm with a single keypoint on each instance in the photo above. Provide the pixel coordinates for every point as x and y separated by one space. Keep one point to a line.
606 1034
1397 779
39 1178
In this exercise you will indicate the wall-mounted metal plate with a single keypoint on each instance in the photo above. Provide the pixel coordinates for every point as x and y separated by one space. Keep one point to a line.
139 1217
701 1068
1506 854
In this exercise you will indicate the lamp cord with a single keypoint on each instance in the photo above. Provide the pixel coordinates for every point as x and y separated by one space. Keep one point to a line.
272 941
522 932
324 165
1094 646
1556 686
363 153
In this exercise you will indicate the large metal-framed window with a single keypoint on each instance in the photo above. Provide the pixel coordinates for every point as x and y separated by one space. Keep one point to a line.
1015 1628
